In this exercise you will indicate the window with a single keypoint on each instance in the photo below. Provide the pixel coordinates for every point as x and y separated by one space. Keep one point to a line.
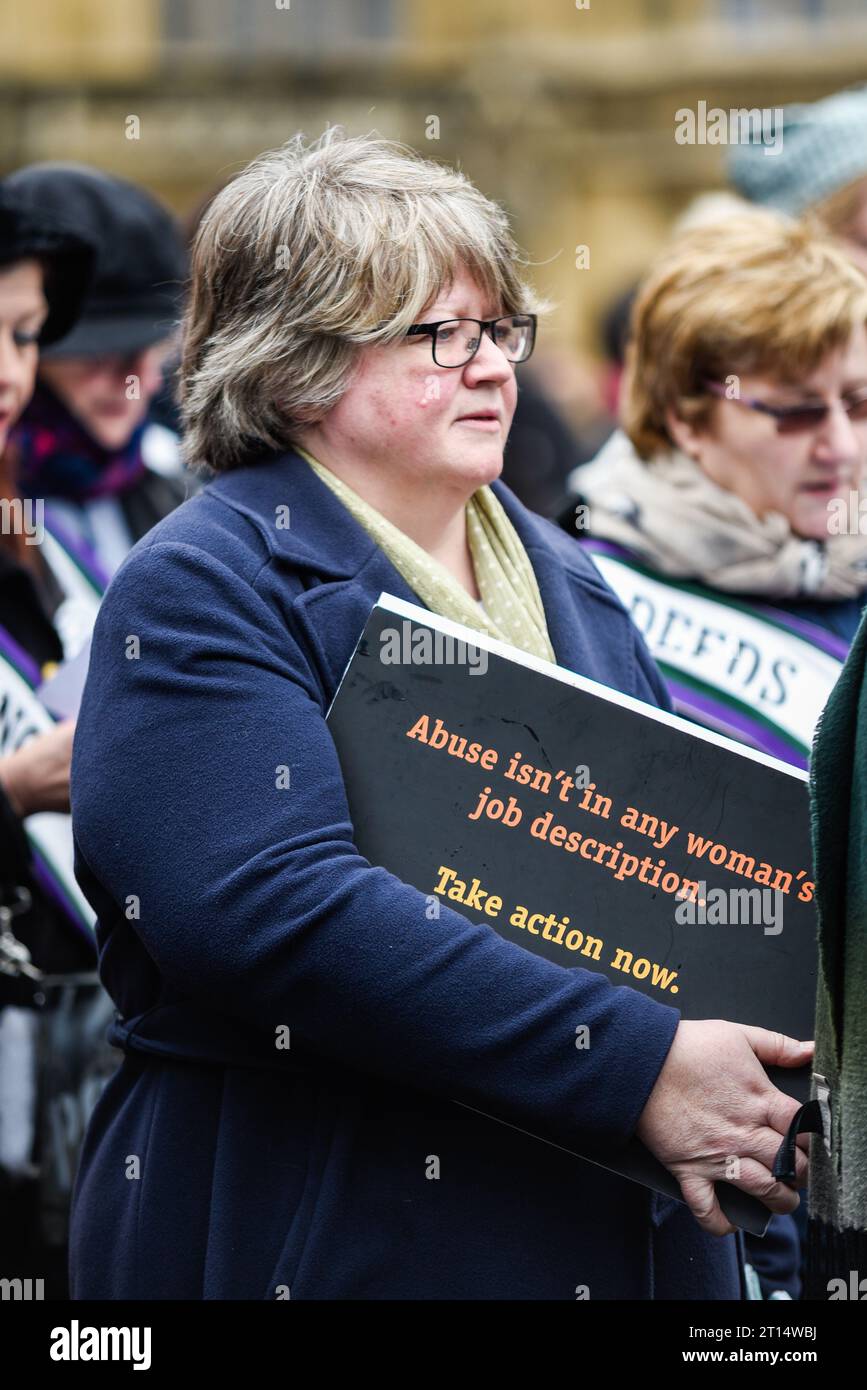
807 14
258 28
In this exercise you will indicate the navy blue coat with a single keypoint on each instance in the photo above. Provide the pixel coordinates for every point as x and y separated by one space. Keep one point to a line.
218 1165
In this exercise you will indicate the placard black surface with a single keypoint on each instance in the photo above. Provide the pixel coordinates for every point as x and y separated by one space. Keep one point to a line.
411 805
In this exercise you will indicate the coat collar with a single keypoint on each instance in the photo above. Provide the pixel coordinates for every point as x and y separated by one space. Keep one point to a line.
320 535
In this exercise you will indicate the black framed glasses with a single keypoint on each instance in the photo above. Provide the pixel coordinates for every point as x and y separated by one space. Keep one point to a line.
795 419
455 342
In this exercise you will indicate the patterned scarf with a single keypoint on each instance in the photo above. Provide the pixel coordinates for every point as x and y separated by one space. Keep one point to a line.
56 457
513 610
678 522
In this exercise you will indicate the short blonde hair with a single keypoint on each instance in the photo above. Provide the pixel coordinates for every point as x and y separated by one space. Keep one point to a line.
756 293
313 251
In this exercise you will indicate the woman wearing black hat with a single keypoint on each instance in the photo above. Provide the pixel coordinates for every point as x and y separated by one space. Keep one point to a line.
71 239
85 442
44 272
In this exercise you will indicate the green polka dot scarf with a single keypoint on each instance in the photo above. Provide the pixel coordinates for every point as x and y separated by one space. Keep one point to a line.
511 606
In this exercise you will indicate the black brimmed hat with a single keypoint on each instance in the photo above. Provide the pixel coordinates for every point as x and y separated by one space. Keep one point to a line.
25 233
135 295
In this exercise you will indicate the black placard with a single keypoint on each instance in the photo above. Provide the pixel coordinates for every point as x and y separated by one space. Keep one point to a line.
458 752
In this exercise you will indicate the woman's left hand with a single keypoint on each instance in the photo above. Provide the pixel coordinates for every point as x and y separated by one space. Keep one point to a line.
36 776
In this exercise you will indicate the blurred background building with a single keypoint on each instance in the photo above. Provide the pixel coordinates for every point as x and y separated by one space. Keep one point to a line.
563 110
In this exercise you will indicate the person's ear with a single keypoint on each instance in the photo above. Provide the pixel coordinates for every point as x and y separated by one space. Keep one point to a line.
686 437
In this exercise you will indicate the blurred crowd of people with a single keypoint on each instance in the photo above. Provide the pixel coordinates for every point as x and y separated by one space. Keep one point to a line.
727 423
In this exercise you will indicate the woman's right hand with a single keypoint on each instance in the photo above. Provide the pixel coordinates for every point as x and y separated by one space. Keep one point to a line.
713 1103
36 776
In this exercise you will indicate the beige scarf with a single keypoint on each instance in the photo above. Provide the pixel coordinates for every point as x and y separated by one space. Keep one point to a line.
512 611
671 516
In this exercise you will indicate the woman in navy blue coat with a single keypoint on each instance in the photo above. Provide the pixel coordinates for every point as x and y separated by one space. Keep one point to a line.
354 323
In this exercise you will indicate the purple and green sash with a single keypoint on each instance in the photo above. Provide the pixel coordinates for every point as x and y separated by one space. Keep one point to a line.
22 714
82 580
747 670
